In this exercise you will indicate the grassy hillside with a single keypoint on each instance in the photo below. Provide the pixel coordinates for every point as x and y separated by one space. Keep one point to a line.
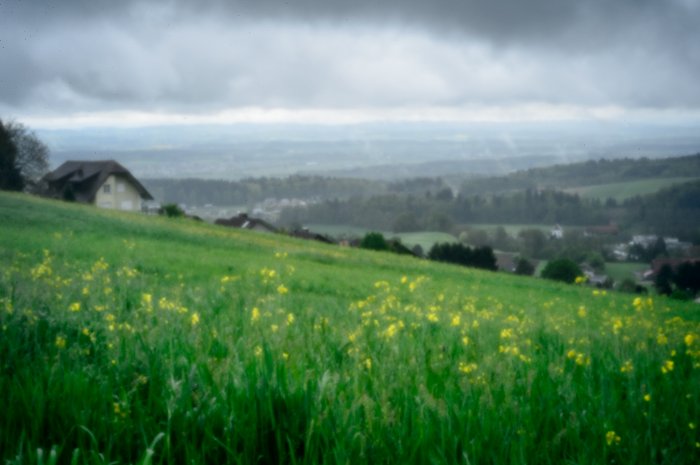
624 190
132 339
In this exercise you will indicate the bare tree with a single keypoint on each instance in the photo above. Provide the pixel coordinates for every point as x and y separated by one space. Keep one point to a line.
32 159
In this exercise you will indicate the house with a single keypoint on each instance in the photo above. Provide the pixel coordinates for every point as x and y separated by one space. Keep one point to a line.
243 221
106 184
556 233
673 263
304 233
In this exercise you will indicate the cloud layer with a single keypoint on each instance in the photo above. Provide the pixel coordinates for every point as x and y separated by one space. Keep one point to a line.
205 57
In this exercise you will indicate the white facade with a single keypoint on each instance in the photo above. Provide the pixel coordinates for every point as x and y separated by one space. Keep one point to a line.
117 193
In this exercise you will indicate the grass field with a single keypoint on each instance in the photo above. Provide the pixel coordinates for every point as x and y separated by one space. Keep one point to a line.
425 239
624 190
133 339
622 271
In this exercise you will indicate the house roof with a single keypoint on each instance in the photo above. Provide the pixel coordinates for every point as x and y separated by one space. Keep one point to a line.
244 221
86 177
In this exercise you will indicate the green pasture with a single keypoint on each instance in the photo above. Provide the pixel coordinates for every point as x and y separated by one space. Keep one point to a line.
425 239
133 339
621 271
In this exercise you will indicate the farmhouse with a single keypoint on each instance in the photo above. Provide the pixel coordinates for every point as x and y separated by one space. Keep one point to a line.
106 184
244 221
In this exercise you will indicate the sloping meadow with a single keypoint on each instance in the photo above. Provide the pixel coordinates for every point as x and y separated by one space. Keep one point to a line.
133 339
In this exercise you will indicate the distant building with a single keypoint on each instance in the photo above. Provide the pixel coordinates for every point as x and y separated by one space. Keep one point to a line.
106 184
644 240
556 233
674 263
304 233
243 221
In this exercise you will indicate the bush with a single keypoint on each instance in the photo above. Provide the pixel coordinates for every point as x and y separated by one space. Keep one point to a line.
480 257
563 269
374 241
524 267
171 210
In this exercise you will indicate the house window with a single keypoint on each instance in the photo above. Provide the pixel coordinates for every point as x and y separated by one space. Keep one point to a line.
107 188
121 187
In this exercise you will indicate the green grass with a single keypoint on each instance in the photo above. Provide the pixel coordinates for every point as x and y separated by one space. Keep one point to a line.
624 190
426 239
622 271
133 339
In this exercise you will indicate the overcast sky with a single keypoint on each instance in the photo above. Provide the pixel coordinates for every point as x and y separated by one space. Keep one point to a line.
107 62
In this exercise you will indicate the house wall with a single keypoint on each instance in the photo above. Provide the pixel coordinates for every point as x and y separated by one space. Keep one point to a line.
122 195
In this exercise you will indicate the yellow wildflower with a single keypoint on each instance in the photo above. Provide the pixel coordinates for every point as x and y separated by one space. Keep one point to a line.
282 289
60 342
627 367
667 366
467 367
255 314
647 397
368 363
582 312
689 339
290 318
194 319
612 438
74 307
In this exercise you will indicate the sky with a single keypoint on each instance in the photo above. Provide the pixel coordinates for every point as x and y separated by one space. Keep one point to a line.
72 63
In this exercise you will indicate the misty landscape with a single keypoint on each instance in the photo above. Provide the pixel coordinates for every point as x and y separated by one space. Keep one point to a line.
240 232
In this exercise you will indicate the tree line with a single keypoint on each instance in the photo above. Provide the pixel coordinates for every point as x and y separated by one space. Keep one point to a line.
249 191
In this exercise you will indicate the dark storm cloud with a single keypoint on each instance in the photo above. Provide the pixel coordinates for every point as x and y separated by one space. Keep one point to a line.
93 55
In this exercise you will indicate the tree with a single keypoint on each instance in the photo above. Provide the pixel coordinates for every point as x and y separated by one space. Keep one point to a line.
374 241
10 176
480 257
533 242
563 269
663 280
32 154
687 277
524 267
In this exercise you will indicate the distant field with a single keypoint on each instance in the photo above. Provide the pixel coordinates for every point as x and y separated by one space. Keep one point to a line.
425 239
621 271
625 190
338 231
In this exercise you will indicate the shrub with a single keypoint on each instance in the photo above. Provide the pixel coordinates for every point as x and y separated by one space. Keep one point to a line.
172 210
524 267
374 241
563 269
